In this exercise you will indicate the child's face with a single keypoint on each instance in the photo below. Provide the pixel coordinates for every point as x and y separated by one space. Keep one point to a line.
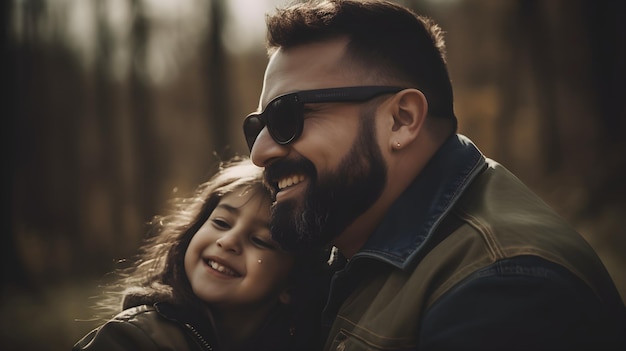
232 260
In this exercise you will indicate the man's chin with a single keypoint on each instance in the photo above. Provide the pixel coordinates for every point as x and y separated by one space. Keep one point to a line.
297 246
291 229
292 242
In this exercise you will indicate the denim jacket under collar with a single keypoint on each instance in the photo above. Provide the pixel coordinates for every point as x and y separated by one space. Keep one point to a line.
414 216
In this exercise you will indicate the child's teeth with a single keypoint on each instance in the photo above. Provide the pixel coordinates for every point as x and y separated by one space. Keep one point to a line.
222 269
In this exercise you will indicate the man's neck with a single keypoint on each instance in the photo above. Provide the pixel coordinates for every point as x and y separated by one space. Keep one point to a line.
400 174
354 237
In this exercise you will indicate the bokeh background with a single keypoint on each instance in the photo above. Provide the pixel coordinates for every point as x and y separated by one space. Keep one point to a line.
112 107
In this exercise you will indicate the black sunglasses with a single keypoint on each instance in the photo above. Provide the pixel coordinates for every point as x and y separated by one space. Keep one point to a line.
284 115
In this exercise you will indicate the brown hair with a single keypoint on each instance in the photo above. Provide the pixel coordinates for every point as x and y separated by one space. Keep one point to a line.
393 43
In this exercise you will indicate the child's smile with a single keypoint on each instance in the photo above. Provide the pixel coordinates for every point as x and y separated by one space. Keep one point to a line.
221 269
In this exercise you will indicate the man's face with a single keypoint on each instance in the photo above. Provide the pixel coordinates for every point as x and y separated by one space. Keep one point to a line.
332 198
334 171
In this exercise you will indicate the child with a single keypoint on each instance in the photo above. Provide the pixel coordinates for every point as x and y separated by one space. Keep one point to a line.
213 279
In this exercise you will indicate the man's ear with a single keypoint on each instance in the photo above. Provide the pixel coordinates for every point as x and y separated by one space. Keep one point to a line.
285 297
409 113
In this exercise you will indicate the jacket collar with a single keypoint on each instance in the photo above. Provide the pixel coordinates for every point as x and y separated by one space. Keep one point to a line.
414 216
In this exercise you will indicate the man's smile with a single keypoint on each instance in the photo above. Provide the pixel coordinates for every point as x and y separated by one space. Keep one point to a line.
290 181
289 186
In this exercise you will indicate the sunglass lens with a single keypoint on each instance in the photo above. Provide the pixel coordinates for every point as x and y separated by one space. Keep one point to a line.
285 120
252 127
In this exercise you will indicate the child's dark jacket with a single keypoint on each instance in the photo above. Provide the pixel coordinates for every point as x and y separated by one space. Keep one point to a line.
164 326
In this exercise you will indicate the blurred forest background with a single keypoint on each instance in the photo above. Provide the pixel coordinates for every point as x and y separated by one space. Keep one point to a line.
112 107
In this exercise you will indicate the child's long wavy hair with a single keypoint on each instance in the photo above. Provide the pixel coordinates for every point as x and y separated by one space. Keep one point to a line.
158 273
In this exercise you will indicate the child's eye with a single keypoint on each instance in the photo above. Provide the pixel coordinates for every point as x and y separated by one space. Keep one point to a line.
220 223
263 243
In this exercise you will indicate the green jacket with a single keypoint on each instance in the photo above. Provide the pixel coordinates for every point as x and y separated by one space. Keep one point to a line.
469 258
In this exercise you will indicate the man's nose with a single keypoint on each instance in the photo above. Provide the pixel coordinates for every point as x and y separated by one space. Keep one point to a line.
265 149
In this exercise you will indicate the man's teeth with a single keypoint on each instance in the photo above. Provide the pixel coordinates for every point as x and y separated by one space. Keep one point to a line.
222 269
289 181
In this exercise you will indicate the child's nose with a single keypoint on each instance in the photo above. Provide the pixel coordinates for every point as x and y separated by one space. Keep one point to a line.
230 242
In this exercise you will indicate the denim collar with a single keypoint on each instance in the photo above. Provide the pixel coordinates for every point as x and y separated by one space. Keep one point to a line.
414 216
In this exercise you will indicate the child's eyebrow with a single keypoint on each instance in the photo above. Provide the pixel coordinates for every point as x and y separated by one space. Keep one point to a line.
235 211
228 208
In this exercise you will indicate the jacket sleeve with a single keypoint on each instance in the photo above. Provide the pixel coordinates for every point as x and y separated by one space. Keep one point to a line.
137 329
116 335
522 305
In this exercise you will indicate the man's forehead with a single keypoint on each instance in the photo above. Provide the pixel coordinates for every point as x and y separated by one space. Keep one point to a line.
312 66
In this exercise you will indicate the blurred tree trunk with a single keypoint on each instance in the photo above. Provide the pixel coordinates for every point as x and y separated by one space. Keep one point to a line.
508 82
108 174
217 79
542 62
12 267
605 24
45 191
146 150
527 36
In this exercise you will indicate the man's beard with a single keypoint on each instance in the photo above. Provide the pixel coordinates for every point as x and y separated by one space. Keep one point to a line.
332 201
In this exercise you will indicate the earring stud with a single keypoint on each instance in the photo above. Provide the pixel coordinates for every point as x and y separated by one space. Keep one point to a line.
397 144
259 260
